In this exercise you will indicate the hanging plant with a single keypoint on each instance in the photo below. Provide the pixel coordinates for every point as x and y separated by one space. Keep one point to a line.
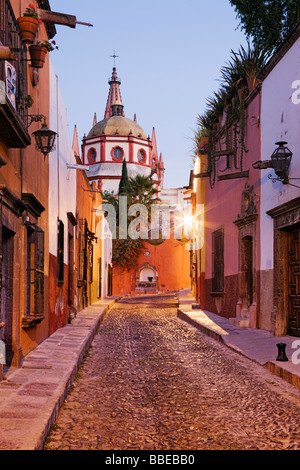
26 103
242 127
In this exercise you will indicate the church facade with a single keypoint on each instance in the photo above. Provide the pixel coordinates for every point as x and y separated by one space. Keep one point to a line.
116 138
163 265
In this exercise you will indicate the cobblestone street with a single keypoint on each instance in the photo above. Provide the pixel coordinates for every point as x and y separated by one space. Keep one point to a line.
151 381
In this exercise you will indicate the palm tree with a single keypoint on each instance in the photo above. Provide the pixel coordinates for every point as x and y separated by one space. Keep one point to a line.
143 190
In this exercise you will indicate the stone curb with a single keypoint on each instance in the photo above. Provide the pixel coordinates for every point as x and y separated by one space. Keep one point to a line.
31 397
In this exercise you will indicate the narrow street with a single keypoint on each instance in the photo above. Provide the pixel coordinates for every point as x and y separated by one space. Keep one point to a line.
150 381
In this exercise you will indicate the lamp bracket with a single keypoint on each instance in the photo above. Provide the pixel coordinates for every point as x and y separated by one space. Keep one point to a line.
35 118
274 179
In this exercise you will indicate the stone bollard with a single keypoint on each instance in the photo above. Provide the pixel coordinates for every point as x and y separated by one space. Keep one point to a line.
281 353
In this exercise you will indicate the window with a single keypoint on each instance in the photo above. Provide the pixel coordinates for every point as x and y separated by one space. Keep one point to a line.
35 272
142 156
82 274
218 260
60 252
92 155
117 153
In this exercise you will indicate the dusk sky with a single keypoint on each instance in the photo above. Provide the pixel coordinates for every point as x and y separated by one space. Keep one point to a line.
169 59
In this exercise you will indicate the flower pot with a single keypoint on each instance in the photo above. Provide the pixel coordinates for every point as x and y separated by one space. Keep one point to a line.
203 141
251 81
37 56
28 28
6 54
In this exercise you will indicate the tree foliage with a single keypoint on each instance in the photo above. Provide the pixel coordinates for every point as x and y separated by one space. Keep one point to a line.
267 22
124 186
138 190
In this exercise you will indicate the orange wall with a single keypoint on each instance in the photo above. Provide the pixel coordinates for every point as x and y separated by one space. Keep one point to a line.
27 172
172 262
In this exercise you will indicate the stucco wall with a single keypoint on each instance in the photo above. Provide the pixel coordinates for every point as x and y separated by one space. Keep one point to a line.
280 119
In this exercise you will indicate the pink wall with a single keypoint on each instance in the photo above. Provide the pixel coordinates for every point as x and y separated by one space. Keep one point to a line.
222 207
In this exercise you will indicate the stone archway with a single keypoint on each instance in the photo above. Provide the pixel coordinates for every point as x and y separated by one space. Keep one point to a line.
146 278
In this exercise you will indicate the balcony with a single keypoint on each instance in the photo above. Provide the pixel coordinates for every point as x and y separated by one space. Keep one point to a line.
13 82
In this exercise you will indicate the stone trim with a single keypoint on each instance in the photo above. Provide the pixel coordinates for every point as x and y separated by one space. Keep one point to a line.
33 205
285 217
287 214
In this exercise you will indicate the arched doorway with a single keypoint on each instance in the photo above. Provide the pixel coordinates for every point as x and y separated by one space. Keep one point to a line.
146 278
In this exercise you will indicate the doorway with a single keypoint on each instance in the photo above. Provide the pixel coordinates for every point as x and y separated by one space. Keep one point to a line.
247 272
294 282
7 274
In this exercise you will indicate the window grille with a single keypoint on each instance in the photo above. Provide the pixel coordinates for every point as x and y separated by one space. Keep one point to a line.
82 251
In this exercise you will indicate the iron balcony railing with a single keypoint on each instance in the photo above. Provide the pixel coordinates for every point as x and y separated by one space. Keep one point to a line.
9 36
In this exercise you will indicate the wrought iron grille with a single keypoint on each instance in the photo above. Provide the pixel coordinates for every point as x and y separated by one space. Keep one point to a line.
83 250
218 260
9 36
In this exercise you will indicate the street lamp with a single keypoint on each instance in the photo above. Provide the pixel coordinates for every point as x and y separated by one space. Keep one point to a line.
281 160
45 139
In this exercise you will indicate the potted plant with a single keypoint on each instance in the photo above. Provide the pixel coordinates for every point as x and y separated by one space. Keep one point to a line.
26 103
249 62
28 25
38 52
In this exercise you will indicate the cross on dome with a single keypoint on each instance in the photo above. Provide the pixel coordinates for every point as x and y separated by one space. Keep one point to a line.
114 57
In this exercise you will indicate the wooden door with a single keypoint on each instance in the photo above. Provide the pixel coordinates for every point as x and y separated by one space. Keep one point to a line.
294 282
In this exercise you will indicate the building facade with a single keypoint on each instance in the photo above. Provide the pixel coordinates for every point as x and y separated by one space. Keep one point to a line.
24 177
246 268
279 215
46 214
226 262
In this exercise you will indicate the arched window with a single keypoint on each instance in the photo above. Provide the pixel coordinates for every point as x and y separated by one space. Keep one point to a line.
142 156
92 155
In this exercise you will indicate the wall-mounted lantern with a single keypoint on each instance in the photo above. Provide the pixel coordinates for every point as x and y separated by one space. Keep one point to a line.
44 137
281 160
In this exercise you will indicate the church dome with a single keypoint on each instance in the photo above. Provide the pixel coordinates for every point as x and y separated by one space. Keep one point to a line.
117 125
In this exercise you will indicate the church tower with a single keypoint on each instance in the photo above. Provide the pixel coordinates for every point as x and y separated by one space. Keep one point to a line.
116 138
